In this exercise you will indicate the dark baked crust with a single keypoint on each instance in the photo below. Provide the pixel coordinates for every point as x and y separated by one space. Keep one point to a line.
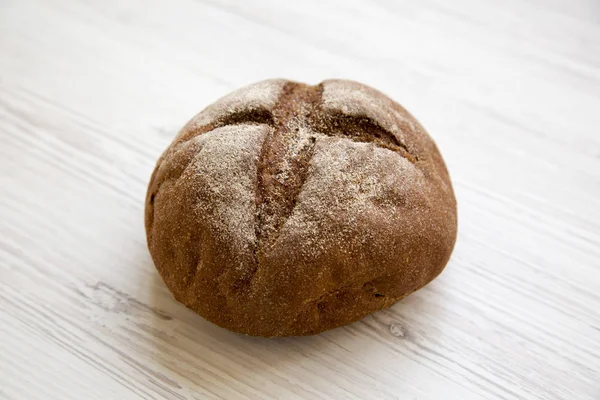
286 209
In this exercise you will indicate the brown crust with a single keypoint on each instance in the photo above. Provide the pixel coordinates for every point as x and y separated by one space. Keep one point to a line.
288 209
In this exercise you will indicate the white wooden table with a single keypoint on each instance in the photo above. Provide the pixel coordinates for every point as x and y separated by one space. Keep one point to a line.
91 92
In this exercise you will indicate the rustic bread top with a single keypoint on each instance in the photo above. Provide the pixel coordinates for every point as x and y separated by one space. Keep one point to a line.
290 209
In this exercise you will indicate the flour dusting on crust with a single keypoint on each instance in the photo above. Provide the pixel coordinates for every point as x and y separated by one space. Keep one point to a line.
355 99
225 170
255 96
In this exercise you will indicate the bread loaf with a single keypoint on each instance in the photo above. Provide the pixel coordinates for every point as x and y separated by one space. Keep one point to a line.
287 209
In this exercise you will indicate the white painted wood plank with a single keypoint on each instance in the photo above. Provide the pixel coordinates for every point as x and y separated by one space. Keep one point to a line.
92 92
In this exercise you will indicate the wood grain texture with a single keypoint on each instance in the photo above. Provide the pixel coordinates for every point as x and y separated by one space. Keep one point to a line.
92 91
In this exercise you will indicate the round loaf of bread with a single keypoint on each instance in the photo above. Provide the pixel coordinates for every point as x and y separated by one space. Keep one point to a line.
287 209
